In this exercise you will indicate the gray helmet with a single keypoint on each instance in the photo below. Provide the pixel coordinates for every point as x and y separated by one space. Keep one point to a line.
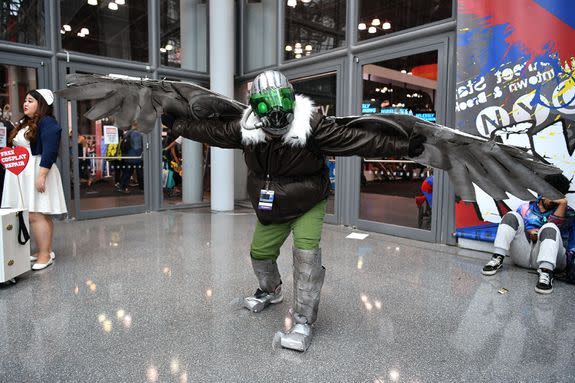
272 99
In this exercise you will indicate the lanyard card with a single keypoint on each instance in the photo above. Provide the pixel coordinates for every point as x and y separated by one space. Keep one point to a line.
266 199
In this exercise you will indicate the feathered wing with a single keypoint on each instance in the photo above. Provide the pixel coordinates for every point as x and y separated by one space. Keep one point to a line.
144 100
496 168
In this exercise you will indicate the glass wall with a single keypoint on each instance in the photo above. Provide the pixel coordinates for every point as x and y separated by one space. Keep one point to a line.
184 34
111 28
394 190
260 31
185 169
115 31
313 26
379 18
185 177
107 162
15 81
23 21
323 91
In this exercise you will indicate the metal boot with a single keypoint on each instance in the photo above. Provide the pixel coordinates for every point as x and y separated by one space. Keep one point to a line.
270 290
308 276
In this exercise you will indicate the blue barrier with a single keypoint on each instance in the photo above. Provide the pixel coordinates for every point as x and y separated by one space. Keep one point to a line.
485 233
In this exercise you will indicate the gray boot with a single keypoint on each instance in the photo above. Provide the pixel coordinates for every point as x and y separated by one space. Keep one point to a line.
270 290
308 276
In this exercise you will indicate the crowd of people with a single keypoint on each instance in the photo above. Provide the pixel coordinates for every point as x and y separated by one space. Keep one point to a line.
123 161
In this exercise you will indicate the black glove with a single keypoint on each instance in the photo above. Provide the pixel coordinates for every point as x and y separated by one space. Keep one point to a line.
416 147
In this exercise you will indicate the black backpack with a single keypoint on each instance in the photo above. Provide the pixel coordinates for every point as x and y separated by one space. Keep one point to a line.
568 275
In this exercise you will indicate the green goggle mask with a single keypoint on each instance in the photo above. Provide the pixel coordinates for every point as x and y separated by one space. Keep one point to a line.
264 102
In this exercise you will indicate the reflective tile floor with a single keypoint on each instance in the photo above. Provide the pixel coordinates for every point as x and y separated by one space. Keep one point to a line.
154 298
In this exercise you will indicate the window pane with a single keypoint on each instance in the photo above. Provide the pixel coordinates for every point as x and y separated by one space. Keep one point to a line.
313 26
322 90
106 28
184 34
15 81
110 173
185 170
22 21
395 190
378 18
260 33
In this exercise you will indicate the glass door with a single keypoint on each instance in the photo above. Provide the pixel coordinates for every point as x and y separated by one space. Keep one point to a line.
18 75
108 163
395 190
396 195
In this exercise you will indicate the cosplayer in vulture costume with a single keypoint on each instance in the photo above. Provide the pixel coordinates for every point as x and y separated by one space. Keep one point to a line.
285 141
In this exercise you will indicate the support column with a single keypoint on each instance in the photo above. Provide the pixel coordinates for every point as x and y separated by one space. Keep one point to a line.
192 16
222 58
192 172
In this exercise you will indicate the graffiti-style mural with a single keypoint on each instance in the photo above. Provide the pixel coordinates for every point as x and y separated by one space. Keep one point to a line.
515 80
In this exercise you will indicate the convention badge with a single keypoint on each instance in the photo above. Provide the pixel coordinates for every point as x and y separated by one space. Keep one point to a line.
14 159
266 199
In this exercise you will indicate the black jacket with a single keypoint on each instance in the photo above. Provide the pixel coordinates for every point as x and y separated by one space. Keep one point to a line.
294 164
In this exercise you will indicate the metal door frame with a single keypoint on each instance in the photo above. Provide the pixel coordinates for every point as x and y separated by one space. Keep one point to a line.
64 68
443 209
336 66
42 66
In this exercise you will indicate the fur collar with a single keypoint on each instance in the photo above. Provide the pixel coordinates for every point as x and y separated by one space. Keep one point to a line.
299 129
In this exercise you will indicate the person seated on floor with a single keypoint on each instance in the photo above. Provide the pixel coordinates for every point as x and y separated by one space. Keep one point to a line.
536 236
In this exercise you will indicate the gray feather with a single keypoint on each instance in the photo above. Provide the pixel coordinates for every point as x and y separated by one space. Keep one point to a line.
495 168
144 101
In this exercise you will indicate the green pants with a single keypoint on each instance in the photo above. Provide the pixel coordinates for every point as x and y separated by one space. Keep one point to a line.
306 229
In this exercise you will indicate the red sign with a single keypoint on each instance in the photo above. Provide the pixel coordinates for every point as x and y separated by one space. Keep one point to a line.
14 159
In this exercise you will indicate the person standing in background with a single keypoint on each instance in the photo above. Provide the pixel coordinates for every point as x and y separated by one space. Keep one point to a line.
132 146
85 169
38 188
